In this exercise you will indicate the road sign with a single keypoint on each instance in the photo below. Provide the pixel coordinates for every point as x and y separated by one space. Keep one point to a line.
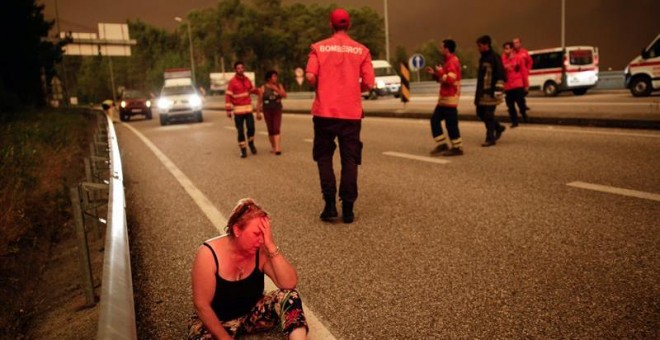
416 62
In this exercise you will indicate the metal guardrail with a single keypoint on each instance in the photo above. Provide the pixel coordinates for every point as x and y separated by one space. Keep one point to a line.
117 309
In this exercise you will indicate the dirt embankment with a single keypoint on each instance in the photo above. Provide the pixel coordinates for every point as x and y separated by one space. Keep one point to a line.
41 156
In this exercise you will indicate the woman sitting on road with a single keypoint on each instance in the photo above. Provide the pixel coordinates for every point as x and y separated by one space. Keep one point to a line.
270 102
228 281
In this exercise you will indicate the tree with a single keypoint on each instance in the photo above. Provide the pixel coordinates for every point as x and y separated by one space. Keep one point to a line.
28 56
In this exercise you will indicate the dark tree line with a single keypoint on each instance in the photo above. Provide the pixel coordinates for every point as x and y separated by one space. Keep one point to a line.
262 33
27 62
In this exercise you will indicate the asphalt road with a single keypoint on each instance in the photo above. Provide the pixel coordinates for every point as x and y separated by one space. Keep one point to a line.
493 244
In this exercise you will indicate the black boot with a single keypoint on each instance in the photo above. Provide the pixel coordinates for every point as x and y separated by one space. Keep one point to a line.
253 148
329 213
347 212
243 152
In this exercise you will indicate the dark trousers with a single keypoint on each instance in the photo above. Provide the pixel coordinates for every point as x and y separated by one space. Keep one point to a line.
347 132
513 97
273 119
450 115
487 114
248 121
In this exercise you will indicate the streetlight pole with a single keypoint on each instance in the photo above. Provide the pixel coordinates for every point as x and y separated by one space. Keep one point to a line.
563 24
387 34
192 57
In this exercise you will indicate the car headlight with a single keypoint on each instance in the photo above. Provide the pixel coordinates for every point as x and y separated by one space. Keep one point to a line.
164 103
148 103
122 104
380 84
195 100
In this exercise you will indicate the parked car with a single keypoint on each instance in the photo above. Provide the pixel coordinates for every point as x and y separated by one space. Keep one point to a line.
133 103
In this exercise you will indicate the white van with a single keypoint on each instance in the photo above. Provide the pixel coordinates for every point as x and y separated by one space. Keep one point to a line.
574 68
643 72
388 81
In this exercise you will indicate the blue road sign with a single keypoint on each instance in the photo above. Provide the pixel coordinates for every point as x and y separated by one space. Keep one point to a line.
416 62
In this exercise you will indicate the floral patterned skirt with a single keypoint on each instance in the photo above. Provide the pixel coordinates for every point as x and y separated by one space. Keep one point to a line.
279 306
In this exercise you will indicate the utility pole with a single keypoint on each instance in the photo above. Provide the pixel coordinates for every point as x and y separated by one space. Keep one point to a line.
387 35
65 91
192 57
563 24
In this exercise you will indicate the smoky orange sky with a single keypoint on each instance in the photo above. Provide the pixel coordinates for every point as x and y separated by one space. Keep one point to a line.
619 28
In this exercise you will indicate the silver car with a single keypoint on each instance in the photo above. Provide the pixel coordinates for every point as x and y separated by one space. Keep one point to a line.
179 102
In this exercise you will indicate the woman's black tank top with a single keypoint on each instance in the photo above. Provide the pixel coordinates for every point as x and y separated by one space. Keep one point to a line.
234 299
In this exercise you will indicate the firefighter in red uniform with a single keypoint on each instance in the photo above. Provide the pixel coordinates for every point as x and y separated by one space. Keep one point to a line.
514 87
527 60
449 77
341 69
237 100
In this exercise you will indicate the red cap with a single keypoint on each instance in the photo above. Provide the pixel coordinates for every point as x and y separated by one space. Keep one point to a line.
340 17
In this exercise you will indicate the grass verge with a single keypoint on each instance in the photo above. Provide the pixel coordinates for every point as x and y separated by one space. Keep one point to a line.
41 155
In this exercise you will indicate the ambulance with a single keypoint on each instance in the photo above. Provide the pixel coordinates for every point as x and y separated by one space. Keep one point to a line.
643 72
573 68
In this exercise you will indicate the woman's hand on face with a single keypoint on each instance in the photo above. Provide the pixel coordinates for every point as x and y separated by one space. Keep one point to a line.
267 233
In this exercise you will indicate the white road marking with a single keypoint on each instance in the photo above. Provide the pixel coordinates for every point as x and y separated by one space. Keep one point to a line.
316 329
229 127
615 190
308 140
416 157
263 133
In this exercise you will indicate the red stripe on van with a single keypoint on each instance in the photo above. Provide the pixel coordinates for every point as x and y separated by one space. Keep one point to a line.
581 69
650 63
535 73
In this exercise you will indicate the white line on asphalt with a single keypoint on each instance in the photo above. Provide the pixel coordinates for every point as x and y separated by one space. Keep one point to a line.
229 127
416 157
263 133
316 329
615 190
308 140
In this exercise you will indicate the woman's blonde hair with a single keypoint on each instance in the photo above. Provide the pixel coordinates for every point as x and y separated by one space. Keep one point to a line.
245 210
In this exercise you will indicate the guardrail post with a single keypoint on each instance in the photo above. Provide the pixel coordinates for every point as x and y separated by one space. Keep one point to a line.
87 282
90 206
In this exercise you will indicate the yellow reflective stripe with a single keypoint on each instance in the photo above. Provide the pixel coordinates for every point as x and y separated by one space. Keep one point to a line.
440 139
243 108
457 142
448 101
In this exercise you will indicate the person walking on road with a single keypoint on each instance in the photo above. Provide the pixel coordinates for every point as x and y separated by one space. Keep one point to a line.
340 68
449 77
514 88
238 101
528 62
228 281
270 103
490 87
